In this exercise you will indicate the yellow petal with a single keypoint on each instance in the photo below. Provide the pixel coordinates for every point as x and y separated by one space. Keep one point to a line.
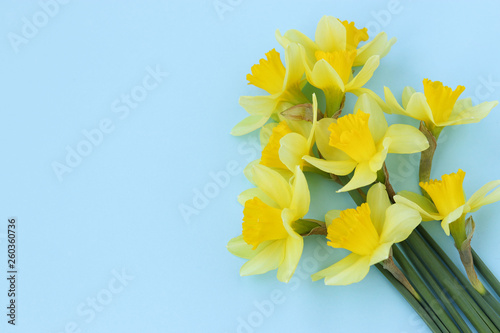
364 74
267 259
378 200
378 159
268 74
238 247
450 218
265 133
406 139
301 198
376 122
407 93
288 216
256 192
419 109
295 36
381 253
424 206
295 69
378 46
482 198
259 105
249 124
324 76
330 34
471 115
363 176
311 135
293 147
293 252
340 168
273 185
351 269
400 221
360 91
302 127
392 103
341 62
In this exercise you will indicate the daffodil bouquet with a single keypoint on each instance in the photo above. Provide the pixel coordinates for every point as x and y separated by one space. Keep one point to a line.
350 149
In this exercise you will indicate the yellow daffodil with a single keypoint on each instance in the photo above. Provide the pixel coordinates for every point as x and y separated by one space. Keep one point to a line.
288 141
268 239
438 106
361 142
335 35
448 203
330 58
282 83
369 232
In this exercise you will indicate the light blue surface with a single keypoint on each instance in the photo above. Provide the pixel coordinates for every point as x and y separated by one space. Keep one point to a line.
118 211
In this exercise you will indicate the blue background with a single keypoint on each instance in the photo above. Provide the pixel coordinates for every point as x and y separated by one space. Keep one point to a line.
117 212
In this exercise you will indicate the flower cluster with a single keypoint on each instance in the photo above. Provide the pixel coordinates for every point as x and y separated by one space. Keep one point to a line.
301 133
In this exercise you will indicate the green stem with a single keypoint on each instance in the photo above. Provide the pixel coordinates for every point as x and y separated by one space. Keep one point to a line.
443 318
334 103
427 155
473 312
486 273
436 287
478 298
410 299
492 301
